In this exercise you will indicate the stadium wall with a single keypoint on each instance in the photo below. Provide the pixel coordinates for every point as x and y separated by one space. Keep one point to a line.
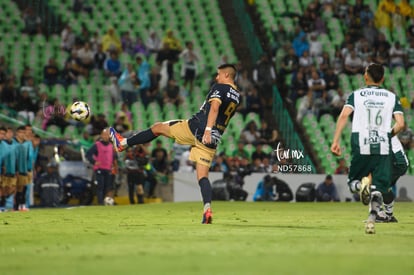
187 189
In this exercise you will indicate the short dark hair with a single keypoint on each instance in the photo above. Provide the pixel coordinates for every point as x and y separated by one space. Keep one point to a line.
21 128
2 128
229 65
375 71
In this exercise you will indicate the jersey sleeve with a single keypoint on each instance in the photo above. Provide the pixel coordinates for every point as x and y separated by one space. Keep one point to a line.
350 101
397 106
217 93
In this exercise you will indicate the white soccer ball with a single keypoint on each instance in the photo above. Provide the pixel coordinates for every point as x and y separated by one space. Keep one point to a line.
109 201
79 110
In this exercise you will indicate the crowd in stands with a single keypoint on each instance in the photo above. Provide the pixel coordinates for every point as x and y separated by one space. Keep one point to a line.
308 71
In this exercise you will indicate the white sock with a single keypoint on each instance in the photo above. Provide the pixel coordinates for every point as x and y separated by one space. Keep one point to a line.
124 142
206 206
355 186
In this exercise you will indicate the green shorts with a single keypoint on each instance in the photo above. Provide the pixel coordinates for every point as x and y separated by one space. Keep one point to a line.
378 165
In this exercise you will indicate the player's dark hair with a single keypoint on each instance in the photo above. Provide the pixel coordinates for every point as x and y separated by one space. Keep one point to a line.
228 65
375 71
21 128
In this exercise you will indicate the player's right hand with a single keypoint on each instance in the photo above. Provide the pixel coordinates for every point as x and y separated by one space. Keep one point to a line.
336 149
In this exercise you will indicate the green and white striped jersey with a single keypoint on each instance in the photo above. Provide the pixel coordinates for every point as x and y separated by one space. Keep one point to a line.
372 121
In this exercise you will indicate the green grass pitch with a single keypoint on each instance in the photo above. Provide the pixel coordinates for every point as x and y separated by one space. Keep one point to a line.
167 238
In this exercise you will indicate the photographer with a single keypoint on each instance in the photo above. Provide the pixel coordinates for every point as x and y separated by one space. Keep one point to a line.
135 161
272 189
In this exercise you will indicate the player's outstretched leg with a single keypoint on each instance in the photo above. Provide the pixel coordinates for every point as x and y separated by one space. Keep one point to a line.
120 143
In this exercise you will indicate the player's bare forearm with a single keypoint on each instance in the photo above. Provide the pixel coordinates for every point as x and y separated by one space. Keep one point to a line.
340 125
399 124
212 116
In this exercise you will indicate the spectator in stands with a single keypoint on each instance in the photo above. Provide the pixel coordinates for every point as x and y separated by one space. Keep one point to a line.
220 164
32 90
306 21
300 43
264 77
240 151
84 36
382 41
353 64
140 48
244 83
189 69
172 93
167 57
3 74
153 93
331 80
79 6
86 58
160 162
398 20
326 191
68 77
337 62
315 46
98 123
365 52
305 62
254 104
67 38
410 55
26 74
342 168
26 107
289 64
172 42
337 102
9 95
121 124
259 153
75 64
32 22
153 42
299 87
382 56
111 41
125 111
397 55
280 37
128 85
250 134
51 72
54 114
143 71
341 9
112 65
317 92
99 57
366 16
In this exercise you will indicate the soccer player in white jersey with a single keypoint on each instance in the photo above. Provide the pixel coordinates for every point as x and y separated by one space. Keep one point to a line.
373 109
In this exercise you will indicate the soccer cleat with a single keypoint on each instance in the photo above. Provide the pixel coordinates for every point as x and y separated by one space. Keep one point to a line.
116 139
207 217
392 219
365 192
370 227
